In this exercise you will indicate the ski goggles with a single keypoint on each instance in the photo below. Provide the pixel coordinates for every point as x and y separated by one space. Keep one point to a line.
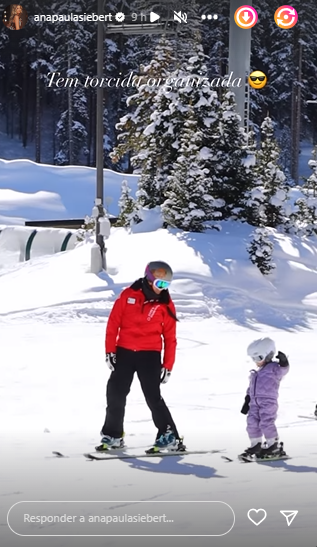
161 284
257 359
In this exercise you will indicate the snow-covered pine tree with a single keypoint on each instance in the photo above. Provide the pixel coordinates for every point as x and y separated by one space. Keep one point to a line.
72 45
132 125
215 37
306 206
260 101
267 198
260 251
128 207
232 178
38 46
172 105
124 54
189 35
285 146
189 204
87 230
273 47
304 54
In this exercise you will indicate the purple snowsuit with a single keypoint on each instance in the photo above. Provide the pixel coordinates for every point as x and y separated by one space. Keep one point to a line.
263 391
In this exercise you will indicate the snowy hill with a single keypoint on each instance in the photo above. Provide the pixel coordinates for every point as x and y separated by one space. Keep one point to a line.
32 191
53 316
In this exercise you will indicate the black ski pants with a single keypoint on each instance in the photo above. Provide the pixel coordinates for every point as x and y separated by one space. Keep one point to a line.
147 365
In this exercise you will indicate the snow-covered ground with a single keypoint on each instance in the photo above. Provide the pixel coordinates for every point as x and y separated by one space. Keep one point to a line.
32 191
53 315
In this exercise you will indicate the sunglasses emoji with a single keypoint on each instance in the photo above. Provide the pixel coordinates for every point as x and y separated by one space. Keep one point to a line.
257 79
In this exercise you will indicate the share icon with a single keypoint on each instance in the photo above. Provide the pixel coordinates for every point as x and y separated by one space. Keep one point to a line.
289 515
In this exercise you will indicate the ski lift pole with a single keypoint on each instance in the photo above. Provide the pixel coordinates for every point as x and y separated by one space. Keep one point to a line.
99 133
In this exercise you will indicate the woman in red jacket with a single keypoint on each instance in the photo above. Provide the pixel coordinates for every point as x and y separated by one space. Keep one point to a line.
142 318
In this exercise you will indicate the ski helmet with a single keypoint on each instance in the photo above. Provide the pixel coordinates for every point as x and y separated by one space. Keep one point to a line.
158 270
262 349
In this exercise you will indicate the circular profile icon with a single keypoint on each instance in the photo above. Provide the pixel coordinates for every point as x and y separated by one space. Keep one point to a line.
246 17
286 17
14 17
257 79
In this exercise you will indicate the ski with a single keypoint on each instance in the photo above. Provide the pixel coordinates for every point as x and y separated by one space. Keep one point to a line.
61 455
311 417
258 460
227 459
149 455
243 459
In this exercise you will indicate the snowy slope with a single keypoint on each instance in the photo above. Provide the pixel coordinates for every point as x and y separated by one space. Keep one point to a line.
31 191
42 192
53 316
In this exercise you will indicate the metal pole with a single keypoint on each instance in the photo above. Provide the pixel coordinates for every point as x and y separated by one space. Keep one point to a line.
239 59
99 132
296 117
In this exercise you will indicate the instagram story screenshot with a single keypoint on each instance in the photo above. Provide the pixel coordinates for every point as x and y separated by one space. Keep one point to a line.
158 273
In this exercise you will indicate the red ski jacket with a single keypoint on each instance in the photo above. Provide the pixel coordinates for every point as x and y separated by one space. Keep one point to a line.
137 324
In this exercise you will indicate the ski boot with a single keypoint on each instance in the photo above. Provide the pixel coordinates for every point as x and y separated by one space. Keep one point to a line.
276 450
108 443
165 441
250 453
315 413
180 447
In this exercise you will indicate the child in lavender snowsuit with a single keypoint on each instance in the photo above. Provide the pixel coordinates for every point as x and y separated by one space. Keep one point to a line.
261 401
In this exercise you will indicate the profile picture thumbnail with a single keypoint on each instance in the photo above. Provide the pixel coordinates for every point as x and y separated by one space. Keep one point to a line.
14 17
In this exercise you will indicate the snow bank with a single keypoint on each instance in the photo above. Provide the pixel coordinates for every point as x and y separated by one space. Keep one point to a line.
15 239
43 192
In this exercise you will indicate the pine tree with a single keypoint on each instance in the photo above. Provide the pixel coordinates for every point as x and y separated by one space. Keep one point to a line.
38 49
132 125
232 178
122 57
273 48
260 251
303 38
72 45
87 230
306 206
285 146
269 194
4 68
261 52
189 204
186 96
215 37
128 207
188 35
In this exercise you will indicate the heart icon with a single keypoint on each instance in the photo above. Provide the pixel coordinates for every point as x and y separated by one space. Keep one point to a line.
259 515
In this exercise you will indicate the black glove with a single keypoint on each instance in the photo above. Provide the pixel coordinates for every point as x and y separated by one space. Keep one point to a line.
111 360
282 359
165 375
246 407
